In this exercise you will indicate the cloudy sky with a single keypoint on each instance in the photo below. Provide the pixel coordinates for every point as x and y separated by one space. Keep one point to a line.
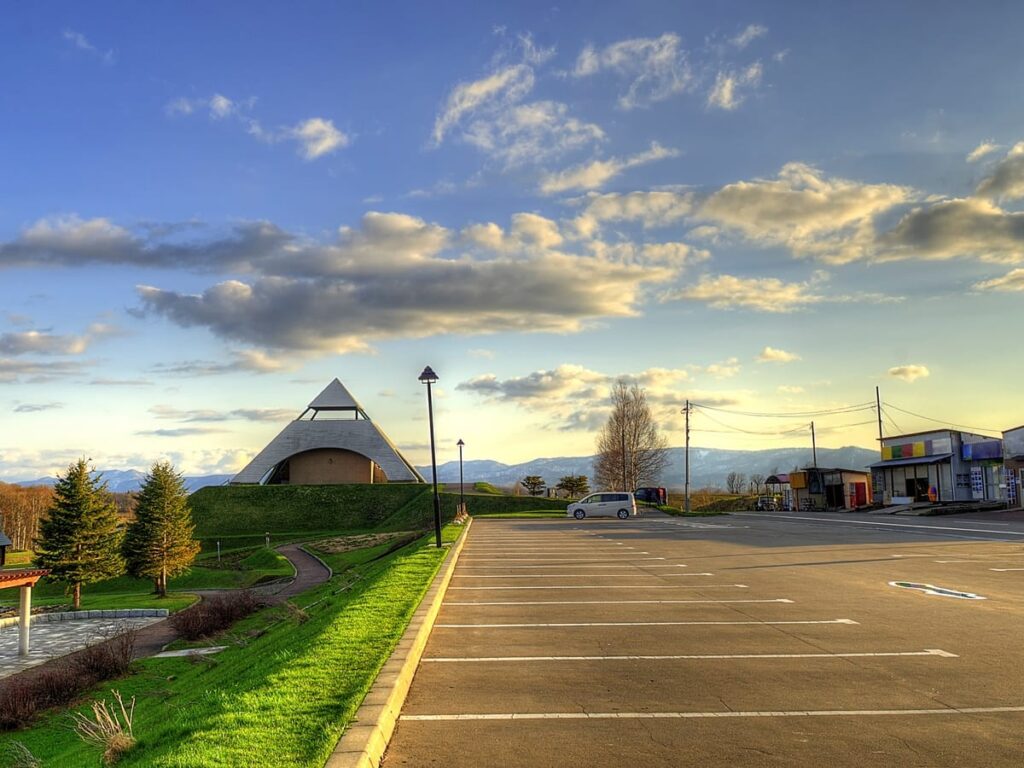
207 211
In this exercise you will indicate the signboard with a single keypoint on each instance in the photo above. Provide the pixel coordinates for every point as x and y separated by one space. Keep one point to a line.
978 482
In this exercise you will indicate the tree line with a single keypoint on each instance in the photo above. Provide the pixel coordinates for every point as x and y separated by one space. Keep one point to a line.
83 538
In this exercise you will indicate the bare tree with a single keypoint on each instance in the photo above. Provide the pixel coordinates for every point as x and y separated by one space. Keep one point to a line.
631 451
756 481
734 482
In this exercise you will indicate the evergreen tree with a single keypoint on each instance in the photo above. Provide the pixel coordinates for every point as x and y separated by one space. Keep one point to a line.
80 538
160 543
534 484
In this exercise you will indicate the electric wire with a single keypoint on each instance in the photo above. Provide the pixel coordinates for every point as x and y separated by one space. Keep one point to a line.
941 421
790 414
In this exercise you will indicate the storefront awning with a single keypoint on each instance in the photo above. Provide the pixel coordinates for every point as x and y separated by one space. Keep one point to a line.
936 459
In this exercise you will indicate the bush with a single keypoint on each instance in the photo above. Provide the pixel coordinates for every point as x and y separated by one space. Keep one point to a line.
109 659
215 614
64 680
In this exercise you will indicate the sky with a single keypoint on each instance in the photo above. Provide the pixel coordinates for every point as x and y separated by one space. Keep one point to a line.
209 211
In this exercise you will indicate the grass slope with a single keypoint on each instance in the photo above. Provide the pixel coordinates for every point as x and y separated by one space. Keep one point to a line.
280 696
238 510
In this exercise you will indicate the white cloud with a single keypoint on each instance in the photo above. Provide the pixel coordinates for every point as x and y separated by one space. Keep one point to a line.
573 397
724 370
983 149
728 91
45 343
760 294
656 66
774 355
531 133
749 35
909 373
81 43
831 219
318 137
789 389
1011 282
959 228
315 137
504 87
651 209
1006 181
596 173
221 106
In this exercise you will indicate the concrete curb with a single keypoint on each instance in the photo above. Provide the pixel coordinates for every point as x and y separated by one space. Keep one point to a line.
330 571
364 741
120 613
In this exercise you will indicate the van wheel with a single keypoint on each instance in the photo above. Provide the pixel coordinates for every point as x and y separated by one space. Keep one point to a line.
579 514
623 514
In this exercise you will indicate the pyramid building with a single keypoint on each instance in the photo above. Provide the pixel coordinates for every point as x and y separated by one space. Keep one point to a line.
332 442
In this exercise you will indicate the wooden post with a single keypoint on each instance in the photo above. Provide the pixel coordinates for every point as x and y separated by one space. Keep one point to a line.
26 620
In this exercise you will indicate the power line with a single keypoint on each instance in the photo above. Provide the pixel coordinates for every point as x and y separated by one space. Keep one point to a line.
941 421
734 428
791 414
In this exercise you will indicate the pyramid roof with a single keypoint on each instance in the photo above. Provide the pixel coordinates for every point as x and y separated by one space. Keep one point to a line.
335 398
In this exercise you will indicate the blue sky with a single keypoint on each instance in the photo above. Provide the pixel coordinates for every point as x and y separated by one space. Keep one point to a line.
209 211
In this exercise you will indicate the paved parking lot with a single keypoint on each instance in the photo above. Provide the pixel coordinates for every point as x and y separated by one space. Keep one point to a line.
740 640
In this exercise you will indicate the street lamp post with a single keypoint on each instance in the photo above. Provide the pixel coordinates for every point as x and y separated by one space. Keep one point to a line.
462 484
428 377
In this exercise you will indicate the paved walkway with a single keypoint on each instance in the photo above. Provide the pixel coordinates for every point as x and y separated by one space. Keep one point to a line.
59 638
51 640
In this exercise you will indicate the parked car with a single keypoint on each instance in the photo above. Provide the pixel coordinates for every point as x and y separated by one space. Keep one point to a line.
767 504
620 505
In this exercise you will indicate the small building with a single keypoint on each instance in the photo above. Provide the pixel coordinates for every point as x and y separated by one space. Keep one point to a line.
830 488
778 488
1013 466
332 442
943 465
5 542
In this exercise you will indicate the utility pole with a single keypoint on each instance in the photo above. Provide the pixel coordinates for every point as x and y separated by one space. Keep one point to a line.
878 410
814 448
686 460
622 434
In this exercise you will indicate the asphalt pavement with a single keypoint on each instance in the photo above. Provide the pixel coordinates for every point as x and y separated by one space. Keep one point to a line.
758 639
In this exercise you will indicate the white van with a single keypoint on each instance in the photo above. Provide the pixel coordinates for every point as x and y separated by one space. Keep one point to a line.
620 505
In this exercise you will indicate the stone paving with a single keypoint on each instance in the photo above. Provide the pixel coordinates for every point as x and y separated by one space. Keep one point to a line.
53 639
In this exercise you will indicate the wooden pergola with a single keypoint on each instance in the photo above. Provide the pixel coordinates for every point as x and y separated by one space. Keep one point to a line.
25 578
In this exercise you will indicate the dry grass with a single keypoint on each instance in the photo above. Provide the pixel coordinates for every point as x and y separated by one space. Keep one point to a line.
339 544
109 728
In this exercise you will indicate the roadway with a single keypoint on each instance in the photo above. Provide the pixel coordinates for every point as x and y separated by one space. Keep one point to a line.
756 639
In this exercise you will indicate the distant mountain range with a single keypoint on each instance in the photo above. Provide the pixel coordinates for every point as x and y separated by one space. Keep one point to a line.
126 480
708 468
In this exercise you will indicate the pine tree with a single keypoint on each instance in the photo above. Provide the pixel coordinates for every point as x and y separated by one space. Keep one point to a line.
160 543
80 538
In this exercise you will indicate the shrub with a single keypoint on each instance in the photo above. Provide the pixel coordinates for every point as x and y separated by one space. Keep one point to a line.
108 728
64 680
19 756
215 614
108 659
18 703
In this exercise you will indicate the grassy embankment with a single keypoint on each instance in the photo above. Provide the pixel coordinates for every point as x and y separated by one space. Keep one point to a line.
241 518
286 686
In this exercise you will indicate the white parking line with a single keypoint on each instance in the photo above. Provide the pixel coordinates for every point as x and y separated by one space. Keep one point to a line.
555 565
888 525
527 587
701 715
646 624
685 657
469 558
616 602
563 575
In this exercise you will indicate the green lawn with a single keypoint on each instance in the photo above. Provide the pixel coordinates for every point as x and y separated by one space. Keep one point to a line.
237 569
282 693
540 513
